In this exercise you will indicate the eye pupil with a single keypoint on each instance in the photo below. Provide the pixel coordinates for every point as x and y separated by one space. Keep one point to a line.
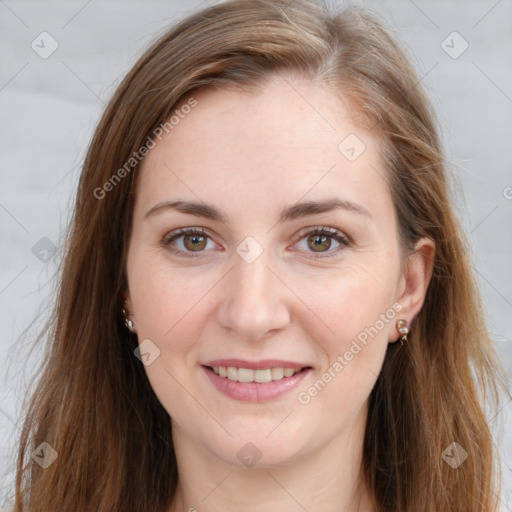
196 239
320 245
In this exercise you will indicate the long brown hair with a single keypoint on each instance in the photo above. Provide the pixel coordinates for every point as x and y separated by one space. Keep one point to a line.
94 404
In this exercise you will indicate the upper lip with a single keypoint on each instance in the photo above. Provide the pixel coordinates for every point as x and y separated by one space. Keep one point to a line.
257 365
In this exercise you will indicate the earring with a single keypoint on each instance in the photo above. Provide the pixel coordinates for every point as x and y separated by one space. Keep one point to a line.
402 328
129 323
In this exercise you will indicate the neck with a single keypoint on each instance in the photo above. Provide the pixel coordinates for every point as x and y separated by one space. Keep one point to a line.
329 479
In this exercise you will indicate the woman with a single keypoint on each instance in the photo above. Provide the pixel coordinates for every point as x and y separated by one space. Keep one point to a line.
266 299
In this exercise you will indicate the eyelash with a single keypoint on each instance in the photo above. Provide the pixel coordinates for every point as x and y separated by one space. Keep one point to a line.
319 231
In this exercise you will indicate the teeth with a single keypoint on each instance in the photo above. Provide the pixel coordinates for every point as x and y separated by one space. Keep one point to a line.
240 374
248 375
263 375
277 373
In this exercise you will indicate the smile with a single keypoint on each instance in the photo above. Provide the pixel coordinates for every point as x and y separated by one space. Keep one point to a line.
251 385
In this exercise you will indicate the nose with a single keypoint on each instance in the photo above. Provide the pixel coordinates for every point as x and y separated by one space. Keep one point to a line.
254 302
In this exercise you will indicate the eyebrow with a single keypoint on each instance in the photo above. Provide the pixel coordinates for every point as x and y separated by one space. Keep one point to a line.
290 213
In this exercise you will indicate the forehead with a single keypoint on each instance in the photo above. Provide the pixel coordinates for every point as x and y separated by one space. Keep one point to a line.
284 142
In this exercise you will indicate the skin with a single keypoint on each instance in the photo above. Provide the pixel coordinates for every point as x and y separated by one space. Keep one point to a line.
251 155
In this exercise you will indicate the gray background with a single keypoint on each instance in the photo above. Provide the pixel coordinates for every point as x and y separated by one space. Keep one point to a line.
49 108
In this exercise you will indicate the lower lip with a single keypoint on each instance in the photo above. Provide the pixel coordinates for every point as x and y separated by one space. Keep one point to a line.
255 391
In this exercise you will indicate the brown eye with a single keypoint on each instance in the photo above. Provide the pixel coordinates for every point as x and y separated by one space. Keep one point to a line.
185 241
319 243
320 240
194 242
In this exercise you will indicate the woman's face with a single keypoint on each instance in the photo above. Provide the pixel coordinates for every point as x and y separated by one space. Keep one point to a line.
257 288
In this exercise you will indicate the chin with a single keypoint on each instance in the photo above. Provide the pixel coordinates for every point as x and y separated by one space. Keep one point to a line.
257 451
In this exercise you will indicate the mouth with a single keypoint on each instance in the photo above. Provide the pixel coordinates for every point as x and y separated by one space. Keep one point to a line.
255 385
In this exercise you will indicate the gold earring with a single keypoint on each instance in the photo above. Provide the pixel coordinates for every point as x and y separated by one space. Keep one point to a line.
402 328
129 323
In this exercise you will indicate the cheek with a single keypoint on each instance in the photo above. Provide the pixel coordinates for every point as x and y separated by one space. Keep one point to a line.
339 392
356 313
169 306
167 301
350 301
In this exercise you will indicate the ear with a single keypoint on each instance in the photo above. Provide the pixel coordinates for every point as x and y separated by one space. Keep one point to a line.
414 282
127 302
128 311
